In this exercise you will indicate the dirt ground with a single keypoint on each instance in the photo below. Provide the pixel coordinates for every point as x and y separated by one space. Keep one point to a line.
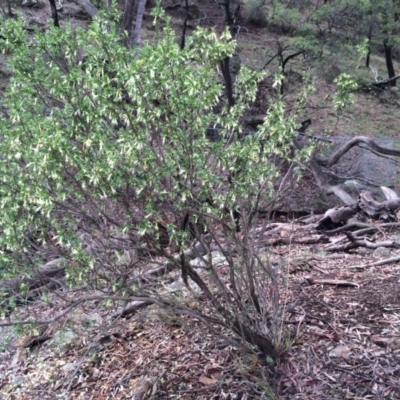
345 344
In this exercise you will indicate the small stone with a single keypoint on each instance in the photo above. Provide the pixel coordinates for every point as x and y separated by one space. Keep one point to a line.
69 366
18 380
341 351
381 252
28 3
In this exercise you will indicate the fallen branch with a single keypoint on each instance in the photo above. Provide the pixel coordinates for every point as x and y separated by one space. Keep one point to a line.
354 243
375 228
316 267
313 239
382 84
314 281
131 308
376 263
334 158
322 180
351 227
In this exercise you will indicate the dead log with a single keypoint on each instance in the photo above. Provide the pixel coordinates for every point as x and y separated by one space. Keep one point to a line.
335 217
374 228
385 210
382 84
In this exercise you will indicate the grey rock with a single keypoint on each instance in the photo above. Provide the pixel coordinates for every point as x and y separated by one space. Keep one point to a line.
381 252
70 366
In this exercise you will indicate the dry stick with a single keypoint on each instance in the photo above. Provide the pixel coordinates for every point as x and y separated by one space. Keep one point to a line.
362 242
376 227
350 227
330 282
313 266
376 263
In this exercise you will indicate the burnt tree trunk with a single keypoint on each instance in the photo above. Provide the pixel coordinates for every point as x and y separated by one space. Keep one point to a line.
389 60
54 13
225 63
9 11
369 37
183 38
226 73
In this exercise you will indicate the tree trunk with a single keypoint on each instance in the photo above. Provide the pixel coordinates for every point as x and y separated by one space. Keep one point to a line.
225 63
228 17
367 60
228 80
389 60
9 11
134 38
54 13
183 38
129 14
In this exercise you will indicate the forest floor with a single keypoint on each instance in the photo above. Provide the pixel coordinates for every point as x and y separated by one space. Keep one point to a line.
346 339
345 343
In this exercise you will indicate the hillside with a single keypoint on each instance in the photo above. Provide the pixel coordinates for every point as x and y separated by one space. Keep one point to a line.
332 291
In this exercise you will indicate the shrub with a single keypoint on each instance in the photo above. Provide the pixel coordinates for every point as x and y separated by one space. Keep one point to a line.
106 163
